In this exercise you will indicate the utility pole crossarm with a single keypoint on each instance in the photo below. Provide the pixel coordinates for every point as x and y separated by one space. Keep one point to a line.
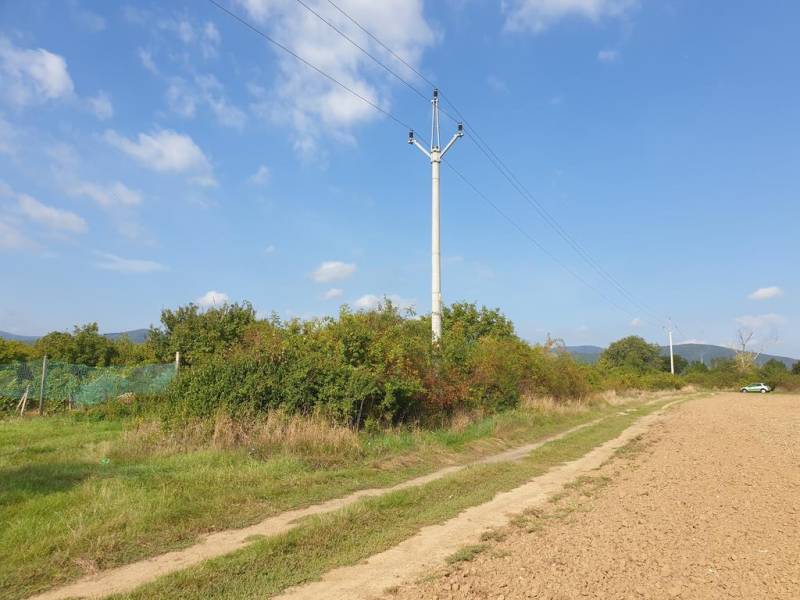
456 135
413 141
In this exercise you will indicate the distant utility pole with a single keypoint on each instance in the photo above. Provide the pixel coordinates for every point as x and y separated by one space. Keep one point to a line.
671 357
435 155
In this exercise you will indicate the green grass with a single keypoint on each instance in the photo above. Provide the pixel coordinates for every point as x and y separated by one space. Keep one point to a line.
73 498
350 535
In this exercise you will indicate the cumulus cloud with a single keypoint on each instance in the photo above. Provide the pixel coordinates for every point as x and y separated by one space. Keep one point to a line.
212 298
636 322
53 218
608 56
32 76
165 150
314 106
766 293
113 194
372 302
146 57
261 176
101 106
756 322
333 270
11 238
8 137
333 293
111 262
537 15
183 98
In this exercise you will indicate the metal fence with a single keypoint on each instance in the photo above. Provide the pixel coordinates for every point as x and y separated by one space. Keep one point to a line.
77 385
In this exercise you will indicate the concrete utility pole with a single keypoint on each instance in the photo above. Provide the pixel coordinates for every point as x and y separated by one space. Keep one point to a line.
671 357
435 155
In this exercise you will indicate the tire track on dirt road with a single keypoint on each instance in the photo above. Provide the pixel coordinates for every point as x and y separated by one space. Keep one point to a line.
430 547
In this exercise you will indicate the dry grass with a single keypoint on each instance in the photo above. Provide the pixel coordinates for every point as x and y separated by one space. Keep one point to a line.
312 437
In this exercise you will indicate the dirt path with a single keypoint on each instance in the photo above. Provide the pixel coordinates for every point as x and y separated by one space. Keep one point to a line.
128 577
432 545
708 507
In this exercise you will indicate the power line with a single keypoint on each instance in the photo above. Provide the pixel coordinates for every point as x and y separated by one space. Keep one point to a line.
534 241
493 158
286 49
354 43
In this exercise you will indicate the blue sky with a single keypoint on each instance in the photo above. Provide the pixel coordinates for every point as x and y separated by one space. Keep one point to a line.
154 154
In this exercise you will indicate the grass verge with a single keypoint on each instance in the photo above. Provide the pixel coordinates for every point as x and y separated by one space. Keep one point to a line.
75 496
345 537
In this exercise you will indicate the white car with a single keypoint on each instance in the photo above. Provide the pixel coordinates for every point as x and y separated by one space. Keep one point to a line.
762 388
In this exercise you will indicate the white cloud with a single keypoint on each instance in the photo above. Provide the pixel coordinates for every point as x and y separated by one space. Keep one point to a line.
227 114
90 20
261 176
49 216
184 97
166 151
146 57
372 302
12 238
212 298
333 293
101 106
314 106
111 262
181 99
537 15
333 270
636 322
756 322
32 76
766 293
608 56
113 194
8 137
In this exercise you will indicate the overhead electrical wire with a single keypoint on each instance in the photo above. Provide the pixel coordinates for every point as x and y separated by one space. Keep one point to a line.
480 143
309 64
490 154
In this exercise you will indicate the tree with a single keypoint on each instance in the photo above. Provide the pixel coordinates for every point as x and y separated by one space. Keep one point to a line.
476 323
91 348
696 367
199 334
13 350
745 359
58 345
680 364
632 352
796 368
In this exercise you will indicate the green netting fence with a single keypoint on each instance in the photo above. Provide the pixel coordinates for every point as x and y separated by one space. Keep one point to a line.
78 385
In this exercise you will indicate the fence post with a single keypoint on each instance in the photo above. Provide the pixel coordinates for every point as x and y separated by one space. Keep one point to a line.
177 361
41 385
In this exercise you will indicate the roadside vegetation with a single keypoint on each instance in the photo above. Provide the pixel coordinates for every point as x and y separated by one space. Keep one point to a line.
265 415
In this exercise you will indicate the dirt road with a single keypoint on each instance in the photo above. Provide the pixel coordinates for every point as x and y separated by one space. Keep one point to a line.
705 505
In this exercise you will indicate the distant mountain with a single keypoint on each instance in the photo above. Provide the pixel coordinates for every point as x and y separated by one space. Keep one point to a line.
137 336
705 353
18 338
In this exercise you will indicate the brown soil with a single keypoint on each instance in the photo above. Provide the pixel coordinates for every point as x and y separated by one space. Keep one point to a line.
704 505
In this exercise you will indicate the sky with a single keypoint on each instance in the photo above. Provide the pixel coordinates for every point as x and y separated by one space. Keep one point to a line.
154 154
